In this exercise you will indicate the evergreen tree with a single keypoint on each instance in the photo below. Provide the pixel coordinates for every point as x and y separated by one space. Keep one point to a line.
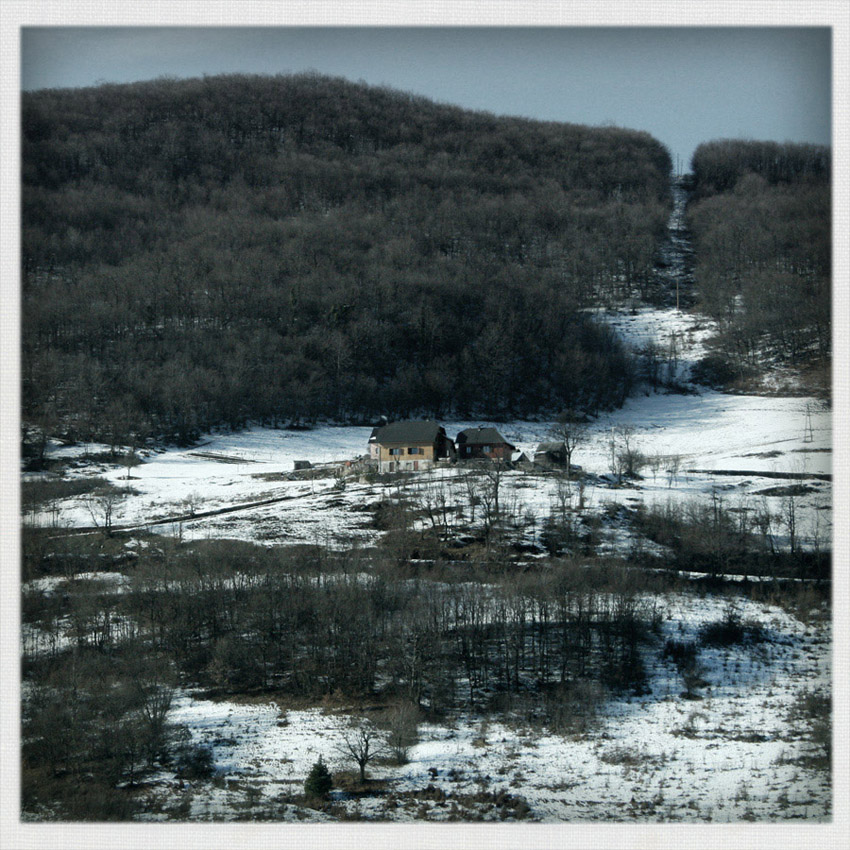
319 781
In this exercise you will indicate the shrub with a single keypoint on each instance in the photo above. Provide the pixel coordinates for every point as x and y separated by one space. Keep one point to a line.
684 655
715 370
195 761
235 665
36 493
402 724
814 709
680 652
730 631
573 707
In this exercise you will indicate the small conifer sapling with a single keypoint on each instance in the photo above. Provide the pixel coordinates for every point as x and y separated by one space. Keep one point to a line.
319 781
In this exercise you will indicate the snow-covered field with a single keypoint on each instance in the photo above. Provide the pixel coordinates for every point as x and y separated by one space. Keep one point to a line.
734 755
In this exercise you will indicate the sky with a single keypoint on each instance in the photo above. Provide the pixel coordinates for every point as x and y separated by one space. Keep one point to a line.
684 85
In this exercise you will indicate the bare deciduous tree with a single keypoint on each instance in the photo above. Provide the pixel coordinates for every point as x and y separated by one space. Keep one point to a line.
101 507
363 742
572 433
674 463
629 460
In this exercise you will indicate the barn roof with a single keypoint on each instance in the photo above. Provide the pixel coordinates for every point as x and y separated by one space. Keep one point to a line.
410 431
543 448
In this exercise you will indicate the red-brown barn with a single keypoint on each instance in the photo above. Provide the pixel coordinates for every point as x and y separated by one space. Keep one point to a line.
483 443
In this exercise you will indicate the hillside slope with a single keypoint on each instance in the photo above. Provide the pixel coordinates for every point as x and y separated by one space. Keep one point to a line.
208 252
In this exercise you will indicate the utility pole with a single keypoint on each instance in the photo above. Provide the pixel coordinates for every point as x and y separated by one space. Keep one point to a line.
808 431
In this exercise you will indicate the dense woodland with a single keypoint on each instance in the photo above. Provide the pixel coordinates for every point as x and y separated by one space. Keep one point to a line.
213 251
760 217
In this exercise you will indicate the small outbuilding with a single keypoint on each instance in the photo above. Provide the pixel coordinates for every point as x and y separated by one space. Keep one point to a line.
551 454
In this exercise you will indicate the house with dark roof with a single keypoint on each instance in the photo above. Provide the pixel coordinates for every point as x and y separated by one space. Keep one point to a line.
374 449
410 446
483 444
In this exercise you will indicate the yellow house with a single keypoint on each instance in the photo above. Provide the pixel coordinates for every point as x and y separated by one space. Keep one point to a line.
411 446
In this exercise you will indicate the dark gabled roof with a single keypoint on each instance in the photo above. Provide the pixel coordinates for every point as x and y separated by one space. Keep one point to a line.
481 437
543 448
411 431
377 428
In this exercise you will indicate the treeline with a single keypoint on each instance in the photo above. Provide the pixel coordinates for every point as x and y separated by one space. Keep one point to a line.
761 222
718 539
211 251
236 618
718 166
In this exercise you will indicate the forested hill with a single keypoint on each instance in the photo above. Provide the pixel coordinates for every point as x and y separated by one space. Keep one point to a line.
208 252
761 222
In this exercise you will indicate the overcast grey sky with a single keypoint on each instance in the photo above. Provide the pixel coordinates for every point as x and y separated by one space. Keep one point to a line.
683 85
